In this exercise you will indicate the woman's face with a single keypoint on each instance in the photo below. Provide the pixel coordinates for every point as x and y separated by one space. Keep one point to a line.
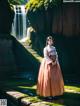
50 42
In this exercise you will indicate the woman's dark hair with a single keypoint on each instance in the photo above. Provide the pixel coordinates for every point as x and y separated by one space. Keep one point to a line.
48 38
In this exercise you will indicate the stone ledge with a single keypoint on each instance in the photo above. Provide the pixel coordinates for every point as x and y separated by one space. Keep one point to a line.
22 99
15 94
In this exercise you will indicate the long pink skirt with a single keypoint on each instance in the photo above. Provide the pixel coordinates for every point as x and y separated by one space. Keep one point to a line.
50 80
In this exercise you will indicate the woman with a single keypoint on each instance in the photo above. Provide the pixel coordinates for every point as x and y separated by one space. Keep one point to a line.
50 80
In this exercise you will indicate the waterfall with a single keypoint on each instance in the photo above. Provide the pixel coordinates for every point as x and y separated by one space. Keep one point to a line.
19 25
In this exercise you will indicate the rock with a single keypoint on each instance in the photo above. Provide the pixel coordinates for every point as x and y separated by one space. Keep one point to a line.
7 58
26 102
38 104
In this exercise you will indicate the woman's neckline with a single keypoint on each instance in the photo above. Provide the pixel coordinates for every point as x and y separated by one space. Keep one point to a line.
50 46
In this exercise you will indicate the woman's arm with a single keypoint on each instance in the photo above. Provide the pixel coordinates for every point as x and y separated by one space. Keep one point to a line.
56 56
46 56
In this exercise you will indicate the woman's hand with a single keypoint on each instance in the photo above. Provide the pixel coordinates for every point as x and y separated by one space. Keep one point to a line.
54 63
53 58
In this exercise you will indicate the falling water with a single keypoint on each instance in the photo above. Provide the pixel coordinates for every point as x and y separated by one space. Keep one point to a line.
19 25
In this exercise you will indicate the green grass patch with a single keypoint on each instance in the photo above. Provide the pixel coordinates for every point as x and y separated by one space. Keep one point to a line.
72 89
71 95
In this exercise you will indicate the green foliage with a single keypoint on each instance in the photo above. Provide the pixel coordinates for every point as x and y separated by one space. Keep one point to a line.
17 2
35 5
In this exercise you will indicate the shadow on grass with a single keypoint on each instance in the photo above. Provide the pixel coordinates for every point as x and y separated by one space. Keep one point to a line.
76 84
71 99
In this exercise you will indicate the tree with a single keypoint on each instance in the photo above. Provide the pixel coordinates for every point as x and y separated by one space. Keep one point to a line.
35 5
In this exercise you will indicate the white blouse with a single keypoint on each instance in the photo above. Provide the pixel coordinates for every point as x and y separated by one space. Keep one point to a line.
51 50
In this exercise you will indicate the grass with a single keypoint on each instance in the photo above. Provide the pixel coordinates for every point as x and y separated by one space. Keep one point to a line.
72 89
71 95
